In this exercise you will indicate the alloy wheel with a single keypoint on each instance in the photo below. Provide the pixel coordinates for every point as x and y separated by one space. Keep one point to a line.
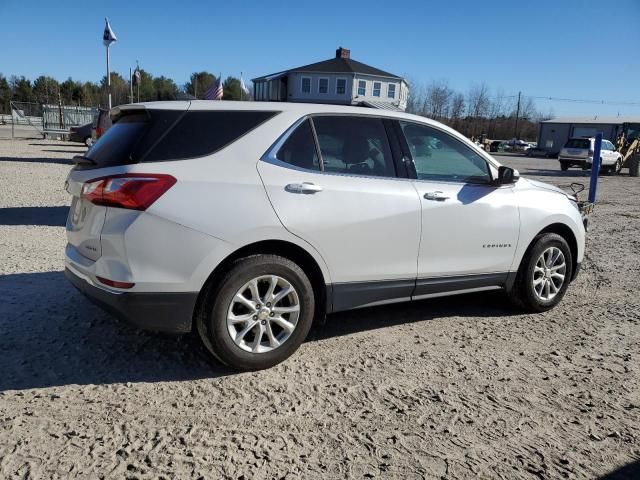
549 273
263 314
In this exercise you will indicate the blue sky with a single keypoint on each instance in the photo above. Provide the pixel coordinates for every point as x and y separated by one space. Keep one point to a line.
560 48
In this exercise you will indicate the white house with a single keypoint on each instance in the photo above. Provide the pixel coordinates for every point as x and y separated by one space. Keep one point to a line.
339 80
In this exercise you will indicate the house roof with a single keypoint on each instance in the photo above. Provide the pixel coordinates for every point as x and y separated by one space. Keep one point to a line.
382 105
337 65
596 120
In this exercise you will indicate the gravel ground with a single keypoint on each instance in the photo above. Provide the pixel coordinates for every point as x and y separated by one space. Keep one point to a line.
458 387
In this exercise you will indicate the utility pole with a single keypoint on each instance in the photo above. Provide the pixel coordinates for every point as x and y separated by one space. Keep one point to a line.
515 133
130 86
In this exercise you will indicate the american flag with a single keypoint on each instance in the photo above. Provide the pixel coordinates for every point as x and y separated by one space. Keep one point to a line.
215 91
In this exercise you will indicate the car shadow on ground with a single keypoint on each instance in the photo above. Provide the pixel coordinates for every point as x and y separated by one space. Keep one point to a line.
60 161
627 472
52 335
81 148
544 172
490 303
47 216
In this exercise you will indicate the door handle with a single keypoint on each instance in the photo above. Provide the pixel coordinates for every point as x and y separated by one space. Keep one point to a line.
305 187
437 196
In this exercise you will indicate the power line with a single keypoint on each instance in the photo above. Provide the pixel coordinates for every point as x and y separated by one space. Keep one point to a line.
573 100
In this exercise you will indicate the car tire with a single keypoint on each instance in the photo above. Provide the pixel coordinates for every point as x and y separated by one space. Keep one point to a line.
530 291
564 166
617 168
262 337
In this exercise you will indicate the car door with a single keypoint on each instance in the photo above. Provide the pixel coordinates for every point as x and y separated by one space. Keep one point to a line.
332 182
470 226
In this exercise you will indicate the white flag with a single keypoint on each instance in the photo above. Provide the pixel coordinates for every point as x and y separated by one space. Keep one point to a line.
243 86
108 37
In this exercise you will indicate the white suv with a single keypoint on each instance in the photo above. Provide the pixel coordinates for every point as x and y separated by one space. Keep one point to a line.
579 151
245 221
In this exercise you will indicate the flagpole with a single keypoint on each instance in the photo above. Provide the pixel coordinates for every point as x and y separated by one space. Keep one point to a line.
108 78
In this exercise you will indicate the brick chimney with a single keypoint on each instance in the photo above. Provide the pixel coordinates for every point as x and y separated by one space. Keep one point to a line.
343 53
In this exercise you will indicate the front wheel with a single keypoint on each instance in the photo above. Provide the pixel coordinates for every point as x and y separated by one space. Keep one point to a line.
564 166
259 313
544 274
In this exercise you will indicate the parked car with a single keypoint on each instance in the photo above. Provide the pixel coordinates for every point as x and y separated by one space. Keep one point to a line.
579 152
81 134
101 123
247 221
497 146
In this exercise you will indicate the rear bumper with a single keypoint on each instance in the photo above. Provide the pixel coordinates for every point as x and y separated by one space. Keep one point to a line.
163 312
574 160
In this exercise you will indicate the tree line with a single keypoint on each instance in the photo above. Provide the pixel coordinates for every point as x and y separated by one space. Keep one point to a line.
48 90
477 111
473 113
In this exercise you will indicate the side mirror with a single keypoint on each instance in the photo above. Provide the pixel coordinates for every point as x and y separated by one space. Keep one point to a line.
507 175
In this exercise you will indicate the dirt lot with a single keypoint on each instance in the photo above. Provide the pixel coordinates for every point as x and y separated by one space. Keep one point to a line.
462 387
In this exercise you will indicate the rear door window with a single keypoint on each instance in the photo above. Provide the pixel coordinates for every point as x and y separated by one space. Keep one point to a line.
299 149
354 145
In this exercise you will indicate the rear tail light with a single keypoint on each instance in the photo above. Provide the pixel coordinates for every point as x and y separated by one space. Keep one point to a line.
99 132
134 191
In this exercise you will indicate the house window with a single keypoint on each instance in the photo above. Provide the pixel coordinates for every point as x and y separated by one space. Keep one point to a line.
323 85
391 90
362 88
306 85
341 86
376 89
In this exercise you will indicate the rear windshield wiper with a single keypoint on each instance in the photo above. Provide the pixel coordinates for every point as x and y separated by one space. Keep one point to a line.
82 160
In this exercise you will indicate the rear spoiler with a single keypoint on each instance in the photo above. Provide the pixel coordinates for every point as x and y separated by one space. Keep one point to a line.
117 113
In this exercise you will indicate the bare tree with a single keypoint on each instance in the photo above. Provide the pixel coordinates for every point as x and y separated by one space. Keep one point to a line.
437 100
457 106
478 100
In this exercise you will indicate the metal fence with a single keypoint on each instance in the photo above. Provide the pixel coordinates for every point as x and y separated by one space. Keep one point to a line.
61 117
29 119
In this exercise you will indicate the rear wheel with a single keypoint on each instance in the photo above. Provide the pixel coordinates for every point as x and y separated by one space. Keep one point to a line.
544 274
259 313
564 166
617 167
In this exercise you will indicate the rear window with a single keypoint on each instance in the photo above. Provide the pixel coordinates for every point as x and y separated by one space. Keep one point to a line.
578 143
159 135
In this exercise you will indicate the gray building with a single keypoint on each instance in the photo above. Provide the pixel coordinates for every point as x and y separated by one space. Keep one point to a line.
340 80
554 133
